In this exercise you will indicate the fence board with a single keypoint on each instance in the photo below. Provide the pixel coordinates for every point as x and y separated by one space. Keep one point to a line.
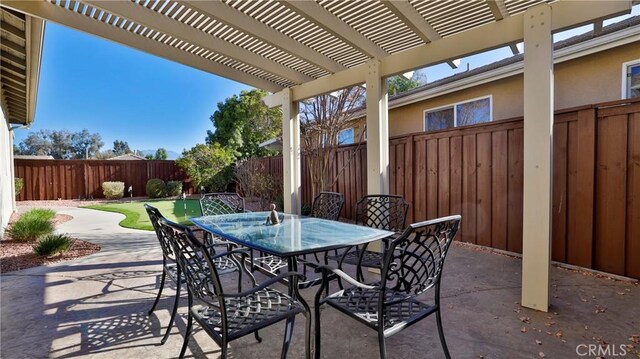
610 194
73 179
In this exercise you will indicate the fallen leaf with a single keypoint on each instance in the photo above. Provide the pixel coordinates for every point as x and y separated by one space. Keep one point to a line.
523 330
541 355
524 319
538 342
600 309
549 333
548 324
621 293
584 299
635 338
559 334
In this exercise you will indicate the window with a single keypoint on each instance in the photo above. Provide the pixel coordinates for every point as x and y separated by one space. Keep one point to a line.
631 79
458 114
345 137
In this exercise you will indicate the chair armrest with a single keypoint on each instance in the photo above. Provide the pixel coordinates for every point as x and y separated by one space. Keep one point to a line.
325 269
263 285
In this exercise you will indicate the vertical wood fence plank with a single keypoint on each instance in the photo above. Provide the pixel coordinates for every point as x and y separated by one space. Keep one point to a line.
559 202
633 199
514 190
469 188
611 194
444 191
499 195
483 209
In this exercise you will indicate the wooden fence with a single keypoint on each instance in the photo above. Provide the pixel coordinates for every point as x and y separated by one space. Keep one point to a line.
477 171
73 179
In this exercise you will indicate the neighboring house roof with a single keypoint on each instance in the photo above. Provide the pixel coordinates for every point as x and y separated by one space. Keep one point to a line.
33 157
614 35
21 39
129 156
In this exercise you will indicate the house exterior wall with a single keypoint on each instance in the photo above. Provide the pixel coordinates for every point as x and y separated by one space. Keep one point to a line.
7 198
589 79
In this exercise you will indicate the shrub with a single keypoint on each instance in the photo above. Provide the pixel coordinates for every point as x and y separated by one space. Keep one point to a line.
174 188
40 213
156 188
53 244
113 190
32 225
19 184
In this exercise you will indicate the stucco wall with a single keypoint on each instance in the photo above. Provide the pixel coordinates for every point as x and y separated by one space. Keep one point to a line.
589 79
7 199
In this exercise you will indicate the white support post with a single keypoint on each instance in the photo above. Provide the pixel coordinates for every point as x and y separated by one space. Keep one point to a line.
291 153
377 131
538 142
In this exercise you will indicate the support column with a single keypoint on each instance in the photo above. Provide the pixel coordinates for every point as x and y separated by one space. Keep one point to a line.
291 153
377 131
538 146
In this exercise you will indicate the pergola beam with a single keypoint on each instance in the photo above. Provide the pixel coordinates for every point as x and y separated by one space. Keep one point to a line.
317 14
486 37
179 30
239 20
86 24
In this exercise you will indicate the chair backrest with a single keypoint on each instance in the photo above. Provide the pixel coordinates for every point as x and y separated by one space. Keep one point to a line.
413 262
194 262
327 205
154 217
388 212
213 204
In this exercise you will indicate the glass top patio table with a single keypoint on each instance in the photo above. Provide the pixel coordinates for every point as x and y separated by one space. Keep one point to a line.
293 236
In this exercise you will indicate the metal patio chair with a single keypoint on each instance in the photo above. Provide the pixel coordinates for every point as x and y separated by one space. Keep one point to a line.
214 204
326 205
388 212
412 265
229 316
170 268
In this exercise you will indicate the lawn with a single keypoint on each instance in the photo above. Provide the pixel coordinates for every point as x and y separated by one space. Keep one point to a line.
137 218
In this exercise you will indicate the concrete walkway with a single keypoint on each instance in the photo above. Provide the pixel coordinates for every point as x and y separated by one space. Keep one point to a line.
96 306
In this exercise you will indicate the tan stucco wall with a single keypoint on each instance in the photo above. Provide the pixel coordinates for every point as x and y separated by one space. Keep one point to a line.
585 80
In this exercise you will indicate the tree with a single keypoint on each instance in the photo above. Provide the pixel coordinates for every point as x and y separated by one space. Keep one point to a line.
121 148
61 144
149 156
242 122
208 165
399 84
321 120
161 154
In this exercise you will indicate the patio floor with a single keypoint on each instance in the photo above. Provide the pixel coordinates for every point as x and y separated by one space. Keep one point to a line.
97 306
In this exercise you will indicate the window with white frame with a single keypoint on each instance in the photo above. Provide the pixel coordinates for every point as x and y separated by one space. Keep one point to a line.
631 79
458 114
345 137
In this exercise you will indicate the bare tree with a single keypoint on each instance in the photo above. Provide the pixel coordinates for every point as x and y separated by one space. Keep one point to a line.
321 120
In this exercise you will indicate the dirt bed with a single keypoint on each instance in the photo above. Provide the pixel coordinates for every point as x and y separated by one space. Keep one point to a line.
19 255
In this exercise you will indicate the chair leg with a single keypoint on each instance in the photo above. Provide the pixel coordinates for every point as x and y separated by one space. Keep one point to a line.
441 333
164 276
316 316
381 344
187 334
173 313
288 333
258 338
224 349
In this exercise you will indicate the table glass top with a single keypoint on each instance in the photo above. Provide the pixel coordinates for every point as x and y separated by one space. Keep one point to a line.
294 235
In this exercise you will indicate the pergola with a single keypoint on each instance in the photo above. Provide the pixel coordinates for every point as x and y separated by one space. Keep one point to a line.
301 49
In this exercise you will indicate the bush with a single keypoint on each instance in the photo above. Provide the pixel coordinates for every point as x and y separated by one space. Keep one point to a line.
32 225
40 214
174 188
19 184
113 190
52 244
156 188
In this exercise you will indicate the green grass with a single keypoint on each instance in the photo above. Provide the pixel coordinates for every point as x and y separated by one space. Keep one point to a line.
137 218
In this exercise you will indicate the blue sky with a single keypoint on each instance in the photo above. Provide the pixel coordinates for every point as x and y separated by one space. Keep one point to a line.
125 94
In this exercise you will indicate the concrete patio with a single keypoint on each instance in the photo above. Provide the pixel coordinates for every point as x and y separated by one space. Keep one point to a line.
96 306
